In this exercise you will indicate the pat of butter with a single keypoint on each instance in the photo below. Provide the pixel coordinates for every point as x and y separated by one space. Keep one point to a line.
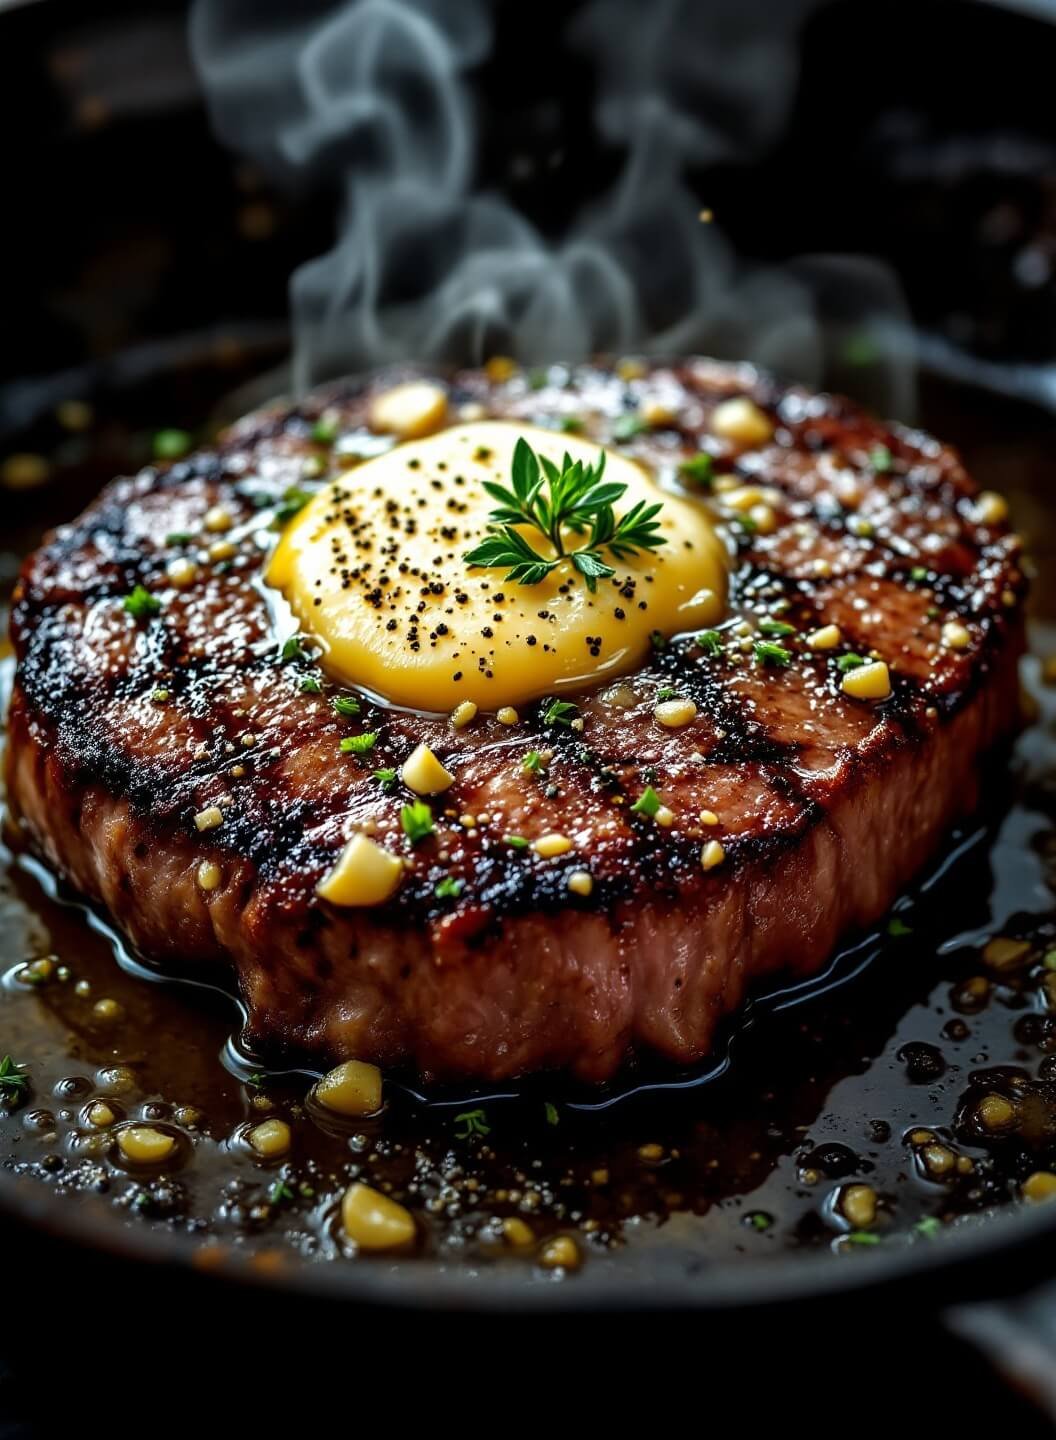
373 568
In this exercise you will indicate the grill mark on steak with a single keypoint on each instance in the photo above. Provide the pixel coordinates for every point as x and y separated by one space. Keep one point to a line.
518 972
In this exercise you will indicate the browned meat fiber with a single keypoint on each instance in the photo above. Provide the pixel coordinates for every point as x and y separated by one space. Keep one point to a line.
122 730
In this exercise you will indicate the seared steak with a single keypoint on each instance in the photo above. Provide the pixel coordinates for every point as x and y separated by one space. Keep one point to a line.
822 805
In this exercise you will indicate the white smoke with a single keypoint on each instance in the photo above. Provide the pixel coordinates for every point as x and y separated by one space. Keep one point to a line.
374 98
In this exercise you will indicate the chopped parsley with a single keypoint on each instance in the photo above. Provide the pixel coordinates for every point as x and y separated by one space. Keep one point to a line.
699 468
776 628
171 444
345 705
710 641
309 685
928 1228
759 1220
880 458
551 1112
294 649
897 927
279 1192
769 654
449 888
532 762
559 712
473 1122
628 426
13 1083
141 604
862 1237
386 779
178 537
516 842
324 431
417 821
849 662
745 524
359 744
918 574
666 692
293 501
570 424
648 803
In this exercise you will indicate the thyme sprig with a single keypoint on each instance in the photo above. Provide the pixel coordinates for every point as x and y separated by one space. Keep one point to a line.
554 500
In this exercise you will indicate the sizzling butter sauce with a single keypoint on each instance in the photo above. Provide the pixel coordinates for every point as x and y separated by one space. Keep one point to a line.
921 1095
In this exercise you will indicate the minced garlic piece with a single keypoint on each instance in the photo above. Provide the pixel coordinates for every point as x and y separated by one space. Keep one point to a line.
827 638
708 817
656 414
353 1088
374 1221
209 818
270 1138
181 573
217 519
144 1145
365 874
409 411
463 715
868 682
581 882
222 550
507 715
209 876
675 713
741 421
956 636
550 845
711 855
991 508
665 817
423 773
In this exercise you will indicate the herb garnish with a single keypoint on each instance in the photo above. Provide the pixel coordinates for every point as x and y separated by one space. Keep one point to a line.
848 662
386 779
648 803
559 712
178 537
449 888
309 685
776 628
417 821
552 500
666 692
628 426
171 444
359 744
880 458
532 762
294 649
141 604
294 500
345 705
324 431
700 469
13 1083
473 1122
710 641
279 1192
552 1115
897 927
918 573
766 653
516 842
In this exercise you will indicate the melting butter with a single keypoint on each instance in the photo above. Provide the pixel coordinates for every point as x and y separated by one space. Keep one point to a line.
373 568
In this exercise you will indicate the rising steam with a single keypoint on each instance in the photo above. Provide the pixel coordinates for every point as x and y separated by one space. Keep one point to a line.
373 98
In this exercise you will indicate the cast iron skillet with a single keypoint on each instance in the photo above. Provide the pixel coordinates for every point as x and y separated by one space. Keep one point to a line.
906 1288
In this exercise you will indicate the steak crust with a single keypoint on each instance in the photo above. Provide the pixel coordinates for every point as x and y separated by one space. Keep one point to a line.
121 732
